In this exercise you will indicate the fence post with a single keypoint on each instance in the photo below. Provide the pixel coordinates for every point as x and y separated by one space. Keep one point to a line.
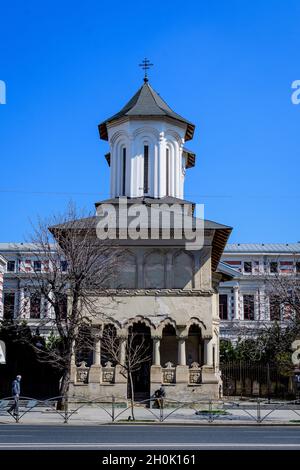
210 415
258 419
66 410
268 379
161 409
113 400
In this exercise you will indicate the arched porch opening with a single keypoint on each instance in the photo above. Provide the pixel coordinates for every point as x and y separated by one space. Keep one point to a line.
109 336
139 347
194 346
168 347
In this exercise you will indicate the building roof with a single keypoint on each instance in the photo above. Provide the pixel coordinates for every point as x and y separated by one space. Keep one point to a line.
148 201
260 248
13 247
227 271
146 102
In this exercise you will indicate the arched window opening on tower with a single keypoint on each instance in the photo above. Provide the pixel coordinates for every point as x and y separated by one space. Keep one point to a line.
124 171
146 168
167 172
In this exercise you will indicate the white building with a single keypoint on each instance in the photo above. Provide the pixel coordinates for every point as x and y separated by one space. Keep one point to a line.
245 300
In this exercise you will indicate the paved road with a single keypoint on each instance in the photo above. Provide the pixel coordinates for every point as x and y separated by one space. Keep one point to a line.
146 437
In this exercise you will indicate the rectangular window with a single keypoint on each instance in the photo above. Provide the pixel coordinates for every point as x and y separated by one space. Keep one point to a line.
146 168
9 306
298 267
37 266
247 266
35 306
248 307
11 265
223 306
167 172
273 267
275 308
124 172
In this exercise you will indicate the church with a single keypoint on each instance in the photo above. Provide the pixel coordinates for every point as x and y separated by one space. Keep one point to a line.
166 292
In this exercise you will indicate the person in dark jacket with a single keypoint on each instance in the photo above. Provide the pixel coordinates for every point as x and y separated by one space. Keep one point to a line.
15 390
159 395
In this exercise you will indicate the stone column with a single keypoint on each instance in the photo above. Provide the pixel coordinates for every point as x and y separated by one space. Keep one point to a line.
182 370
156 351
236 302
181 352
97 352
95 370
122 350
156 370
208 359
120 377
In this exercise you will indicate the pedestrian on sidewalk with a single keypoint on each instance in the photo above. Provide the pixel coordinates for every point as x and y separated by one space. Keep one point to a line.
16 390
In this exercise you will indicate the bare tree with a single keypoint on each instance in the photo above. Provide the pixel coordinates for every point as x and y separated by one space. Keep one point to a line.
73 268
130 353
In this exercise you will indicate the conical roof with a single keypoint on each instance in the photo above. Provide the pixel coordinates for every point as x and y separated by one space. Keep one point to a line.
146 102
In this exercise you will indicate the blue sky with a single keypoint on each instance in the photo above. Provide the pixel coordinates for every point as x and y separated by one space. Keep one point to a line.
226 66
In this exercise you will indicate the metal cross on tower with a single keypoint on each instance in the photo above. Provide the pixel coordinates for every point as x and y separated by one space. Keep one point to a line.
146 66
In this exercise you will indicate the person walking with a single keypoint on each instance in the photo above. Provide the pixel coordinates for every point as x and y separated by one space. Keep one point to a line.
16 390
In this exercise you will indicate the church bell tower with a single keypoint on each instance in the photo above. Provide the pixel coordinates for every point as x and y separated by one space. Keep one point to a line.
147 154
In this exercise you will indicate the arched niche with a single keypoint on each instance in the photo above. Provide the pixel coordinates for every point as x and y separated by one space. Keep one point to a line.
183 270
168 345
154 270
127 272
194 345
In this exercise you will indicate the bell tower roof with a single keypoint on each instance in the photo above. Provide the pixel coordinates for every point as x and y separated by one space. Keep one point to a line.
146 102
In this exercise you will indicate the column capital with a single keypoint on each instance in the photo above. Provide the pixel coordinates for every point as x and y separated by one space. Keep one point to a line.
182 337
156 337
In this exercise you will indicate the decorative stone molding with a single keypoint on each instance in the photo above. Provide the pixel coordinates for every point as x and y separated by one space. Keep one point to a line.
166 322
194 321
195 373
82 373
157 292
139 319
108 372
168 373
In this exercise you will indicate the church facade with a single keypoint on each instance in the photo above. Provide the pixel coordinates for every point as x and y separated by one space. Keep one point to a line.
165 292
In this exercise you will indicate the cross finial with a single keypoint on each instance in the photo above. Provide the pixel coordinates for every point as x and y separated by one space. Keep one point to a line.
146 66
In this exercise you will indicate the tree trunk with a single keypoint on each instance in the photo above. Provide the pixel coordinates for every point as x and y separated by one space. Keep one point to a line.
62 403
131 395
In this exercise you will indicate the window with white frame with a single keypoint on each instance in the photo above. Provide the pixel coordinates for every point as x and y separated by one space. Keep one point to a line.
37 266
146 169
248 303
273 267
11 266
248 267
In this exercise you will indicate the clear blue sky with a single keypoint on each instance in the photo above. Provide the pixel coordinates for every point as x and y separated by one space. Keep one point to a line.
225 65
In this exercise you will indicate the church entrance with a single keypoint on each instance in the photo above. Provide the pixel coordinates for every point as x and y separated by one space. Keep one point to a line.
141 348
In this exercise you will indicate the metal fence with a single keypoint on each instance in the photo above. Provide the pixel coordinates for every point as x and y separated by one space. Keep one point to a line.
117 410
250 379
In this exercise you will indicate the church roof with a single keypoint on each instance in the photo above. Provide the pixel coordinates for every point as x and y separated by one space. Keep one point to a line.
146 102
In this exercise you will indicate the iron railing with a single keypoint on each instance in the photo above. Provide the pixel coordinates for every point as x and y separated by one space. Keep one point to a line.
117 409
